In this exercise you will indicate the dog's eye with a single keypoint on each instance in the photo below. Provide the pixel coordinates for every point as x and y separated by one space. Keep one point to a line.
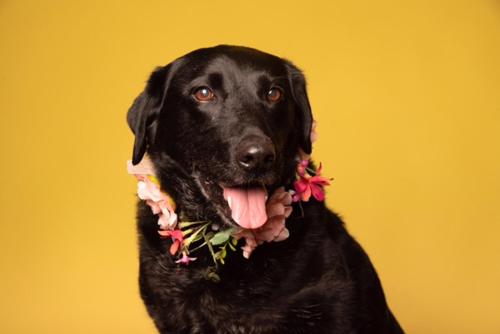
204 94
274 94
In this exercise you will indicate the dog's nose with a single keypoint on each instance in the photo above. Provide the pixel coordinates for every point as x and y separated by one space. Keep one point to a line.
256 153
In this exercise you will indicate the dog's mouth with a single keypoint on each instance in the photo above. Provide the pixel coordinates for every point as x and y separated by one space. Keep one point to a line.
243 205
247 205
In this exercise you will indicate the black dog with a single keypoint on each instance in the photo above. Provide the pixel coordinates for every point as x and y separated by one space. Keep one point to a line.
236 117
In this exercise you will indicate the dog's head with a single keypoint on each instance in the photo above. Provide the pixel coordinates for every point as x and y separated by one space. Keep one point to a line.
232 117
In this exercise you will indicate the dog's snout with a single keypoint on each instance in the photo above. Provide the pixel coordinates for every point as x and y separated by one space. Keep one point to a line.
256 153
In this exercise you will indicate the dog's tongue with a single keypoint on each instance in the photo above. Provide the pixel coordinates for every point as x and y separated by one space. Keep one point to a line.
248 206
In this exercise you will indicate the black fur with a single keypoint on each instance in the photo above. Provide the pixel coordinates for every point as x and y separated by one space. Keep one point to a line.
317 281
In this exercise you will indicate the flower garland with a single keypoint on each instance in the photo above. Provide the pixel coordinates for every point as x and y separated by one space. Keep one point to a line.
188 237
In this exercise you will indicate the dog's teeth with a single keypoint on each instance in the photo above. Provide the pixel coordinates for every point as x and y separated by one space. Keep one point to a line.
229 201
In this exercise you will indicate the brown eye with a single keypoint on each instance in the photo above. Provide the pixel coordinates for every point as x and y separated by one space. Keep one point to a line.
274 94
204 94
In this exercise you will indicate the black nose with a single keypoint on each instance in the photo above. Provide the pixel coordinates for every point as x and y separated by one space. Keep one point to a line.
256 153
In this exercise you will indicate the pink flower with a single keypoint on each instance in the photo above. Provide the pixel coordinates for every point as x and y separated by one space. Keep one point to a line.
185 259
301 167
177 239
250 242
148 191
308 185
278 208
160 203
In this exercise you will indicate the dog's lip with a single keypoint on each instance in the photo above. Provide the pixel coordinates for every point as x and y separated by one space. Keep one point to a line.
245 185
224 186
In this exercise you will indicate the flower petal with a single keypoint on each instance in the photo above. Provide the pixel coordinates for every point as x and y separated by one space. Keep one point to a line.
319 180
318 170
163 222
185 259
175 247
153 190
172 220
287 199
284 234
301 185
164 234
177 235
301 167
250 242
318 192
277 209
306 194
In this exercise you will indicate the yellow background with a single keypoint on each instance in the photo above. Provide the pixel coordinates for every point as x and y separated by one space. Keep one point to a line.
407 95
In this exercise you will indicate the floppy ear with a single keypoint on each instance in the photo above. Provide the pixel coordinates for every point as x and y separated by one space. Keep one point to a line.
143 114
299 93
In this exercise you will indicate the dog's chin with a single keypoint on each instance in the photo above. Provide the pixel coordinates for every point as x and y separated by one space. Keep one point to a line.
216 191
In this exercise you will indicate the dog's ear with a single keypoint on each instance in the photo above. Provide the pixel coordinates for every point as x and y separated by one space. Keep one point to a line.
299 94
143 114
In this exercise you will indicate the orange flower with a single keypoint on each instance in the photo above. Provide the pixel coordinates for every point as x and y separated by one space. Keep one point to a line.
177 239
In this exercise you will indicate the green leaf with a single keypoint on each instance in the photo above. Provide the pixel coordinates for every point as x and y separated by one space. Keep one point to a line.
221 237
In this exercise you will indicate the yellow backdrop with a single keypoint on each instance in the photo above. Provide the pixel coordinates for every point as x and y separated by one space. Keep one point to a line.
407 95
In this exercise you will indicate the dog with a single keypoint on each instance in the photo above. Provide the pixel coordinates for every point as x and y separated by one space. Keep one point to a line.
231 117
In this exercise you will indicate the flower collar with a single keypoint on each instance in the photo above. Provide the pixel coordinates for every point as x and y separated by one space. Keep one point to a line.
188 237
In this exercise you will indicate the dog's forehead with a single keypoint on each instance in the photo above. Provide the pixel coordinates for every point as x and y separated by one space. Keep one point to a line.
232 68
235 65
232 65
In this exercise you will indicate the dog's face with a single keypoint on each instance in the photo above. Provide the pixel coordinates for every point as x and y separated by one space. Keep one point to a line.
232 117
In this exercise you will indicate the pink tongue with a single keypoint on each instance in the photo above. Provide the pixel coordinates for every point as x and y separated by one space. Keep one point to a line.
248 206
